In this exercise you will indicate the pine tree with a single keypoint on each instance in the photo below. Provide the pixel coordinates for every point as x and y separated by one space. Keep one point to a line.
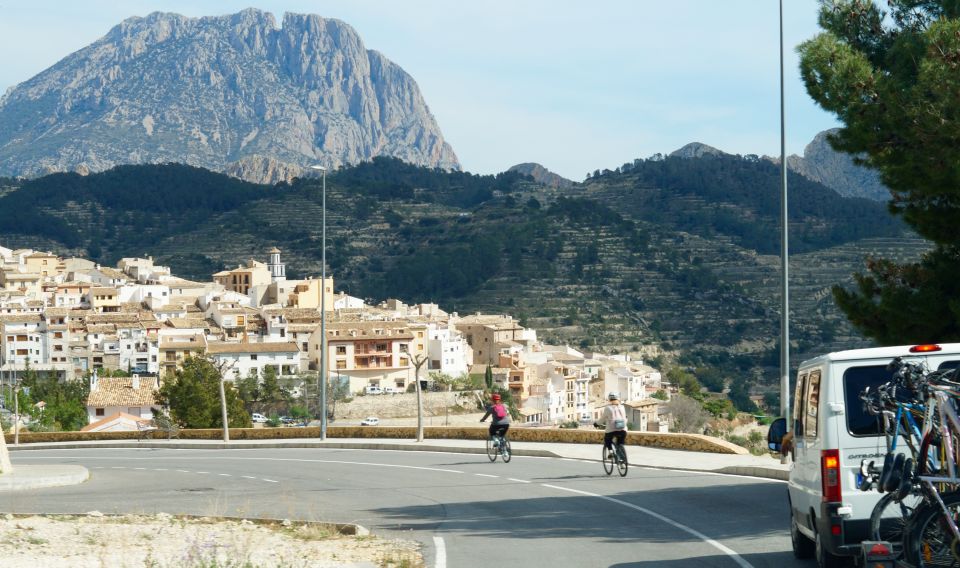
891 77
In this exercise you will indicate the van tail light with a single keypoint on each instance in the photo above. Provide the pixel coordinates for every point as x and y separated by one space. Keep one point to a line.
830 475
925 348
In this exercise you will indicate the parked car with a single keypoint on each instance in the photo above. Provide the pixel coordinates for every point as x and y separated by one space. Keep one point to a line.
370 421
392 390
831 436
374 390
258 418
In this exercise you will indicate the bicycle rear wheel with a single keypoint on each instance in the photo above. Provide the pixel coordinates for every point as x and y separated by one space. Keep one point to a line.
888 521
505 450
621 459
930 540
492 450
607 461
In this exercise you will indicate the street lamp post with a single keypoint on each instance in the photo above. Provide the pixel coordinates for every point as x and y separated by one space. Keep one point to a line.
323 307
784 255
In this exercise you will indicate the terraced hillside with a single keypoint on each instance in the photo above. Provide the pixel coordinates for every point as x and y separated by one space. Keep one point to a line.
641 260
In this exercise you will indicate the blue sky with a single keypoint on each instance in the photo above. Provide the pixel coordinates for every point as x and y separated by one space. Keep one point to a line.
573 85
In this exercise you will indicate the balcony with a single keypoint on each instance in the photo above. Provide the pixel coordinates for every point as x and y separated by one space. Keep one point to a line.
371 350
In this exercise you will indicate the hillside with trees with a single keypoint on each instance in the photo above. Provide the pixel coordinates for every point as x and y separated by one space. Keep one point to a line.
674 254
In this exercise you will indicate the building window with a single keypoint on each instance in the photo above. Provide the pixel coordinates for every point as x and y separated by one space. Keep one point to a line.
341 364
253 356
99 412
341 349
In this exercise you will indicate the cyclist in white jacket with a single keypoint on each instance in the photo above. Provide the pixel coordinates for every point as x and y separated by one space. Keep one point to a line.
613 421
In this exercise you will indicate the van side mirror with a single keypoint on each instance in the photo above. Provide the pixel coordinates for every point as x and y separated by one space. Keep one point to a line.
778 429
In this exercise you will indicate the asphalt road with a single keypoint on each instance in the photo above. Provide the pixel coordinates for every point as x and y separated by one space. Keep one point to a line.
466 510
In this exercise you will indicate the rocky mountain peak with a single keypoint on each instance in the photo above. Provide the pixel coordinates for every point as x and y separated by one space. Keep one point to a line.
542 175
219 92
836 170
695 150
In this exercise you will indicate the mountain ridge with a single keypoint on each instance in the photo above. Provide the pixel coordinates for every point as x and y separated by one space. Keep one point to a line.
214 91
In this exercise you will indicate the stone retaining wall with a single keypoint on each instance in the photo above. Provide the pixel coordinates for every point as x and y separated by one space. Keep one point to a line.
672 441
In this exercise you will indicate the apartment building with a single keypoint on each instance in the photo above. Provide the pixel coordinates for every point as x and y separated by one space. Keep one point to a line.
104 299
21 341
238 359
373 353
178 340
485 334
46 264
244 277
447 349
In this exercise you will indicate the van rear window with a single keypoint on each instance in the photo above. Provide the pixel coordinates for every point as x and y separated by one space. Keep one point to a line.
855 379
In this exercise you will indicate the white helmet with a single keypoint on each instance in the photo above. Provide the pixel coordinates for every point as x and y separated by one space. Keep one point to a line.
613 396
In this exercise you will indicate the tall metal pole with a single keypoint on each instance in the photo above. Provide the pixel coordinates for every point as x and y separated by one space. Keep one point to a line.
784 253
323 309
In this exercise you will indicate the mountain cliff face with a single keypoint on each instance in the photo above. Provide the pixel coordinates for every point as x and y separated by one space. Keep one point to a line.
820 162
229 93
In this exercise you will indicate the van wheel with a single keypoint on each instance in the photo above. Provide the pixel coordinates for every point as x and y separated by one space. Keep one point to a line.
803 547
825 559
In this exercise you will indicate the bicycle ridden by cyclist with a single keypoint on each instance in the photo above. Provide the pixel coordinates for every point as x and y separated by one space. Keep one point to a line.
613 421
501 417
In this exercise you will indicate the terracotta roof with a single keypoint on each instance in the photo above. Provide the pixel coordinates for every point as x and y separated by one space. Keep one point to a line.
119 391
270 347
112 418
20 318
367 330
187 323
294 314
181 283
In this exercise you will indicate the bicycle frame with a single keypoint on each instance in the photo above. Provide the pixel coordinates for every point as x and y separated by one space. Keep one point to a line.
949 422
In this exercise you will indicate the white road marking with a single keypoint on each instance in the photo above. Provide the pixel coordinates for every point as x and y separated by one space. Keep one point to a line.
719 546
248 477
270 480
183 471
441 561
140 468
518 480
225 474
485 475
118 467
202 472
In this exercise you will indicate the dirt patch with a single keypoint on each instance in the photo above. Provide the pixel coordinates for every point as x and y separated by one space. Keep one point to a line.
165 541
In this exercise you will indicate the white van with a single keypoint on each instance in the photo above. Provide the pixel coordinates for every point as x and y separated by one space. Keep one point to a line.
832 435
373 389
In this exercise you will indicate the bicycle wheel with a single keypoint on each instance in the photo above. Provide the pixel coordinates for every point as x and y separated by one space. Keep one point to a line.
621 460
505 450
492 450
930 540
607 461
889 519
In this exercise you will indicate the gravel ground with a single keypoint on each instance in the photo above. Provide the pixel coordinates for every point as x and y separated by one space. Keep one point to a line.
165 541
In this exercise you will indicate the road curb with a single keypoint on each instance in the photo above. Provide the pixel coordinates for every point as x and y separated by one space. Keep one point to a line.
38 477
